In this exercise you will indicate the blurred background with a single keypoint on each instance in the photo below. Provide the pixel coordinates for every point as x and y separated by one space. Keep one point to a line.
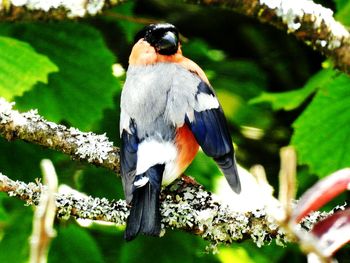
245 62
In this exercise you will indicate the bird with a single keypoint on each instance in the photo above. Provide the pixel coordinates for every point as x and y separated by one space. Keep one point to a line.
168 110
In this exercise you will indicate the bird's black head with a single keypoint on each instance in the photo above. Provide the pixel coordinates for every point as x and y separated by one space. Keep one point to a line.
163 37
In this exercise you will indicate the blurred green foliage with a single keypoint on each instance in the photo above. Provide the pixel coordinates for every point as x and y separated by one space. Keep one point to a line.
87 65
343 9
273 89
72 238
322 130
14 68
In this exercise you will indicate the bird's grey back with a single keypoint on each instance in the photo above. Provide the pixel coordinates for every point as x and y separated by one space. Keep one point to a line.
157 97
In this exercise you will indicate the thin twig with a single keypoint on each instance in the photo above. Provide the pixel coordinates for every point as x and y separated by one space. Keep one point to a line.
44 216
287 179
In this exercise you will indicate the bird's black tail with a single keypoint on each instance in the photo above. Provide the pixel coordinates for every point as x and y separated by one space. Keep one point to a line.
227 164
144 215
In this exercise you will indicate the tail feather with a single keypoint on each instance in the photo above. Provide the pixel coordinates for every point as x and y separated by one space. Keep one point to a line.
150 224
133 223
227 164
144 215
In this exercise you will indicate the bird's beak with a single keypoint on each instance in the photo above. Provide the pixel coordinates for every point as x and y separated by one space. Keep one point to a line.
168 44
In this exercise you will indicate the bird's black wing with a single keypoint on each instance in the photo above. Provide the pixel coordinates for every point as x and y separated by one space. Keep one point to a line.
210 129
128 159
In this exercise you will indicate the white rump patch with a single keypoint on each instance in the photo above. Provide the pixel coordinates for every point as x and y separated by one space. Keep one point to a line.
141 182
152 152
171 173
206 102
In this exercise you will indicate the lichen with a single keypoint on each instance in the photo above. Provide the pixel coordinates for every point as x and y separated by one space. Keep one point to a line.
293 13
193 207
200 214
77 8
5 110
91 146
94 6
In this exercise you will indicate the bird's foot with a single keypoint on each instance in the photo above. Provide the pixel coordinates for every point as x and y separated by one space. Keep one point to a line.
188 180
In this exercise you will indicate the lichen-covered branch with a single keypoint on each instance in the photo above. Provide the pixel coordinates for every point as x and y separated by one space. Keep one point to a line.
185 205
52 9
31 127
308 21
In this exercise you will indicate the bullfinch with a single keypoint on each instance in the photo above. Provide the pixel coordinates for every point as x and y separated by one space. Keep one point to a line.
168 110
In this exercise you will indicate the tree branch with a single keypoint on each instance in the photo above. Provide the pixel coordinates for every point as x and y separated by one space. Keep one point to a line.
31 127
185 205
11 10
312 23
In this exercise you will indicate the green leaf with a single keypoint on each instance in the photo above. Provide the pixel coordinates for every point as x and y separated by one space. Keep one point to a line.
322 131
84 86
21 67
291 100
74 244
343 11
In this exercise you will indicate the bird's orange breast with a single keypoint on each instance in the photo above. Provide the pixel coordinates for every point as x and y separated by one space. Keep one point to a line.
187 147
143 54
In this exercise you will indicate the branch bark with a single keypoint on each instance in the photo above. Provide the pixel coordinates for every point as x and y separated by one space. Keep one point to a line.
11 10
31 127
309 22
185 205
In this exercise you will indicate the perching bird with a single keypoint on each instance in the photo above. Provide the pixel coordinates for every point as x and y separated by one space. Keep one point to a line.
168 110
